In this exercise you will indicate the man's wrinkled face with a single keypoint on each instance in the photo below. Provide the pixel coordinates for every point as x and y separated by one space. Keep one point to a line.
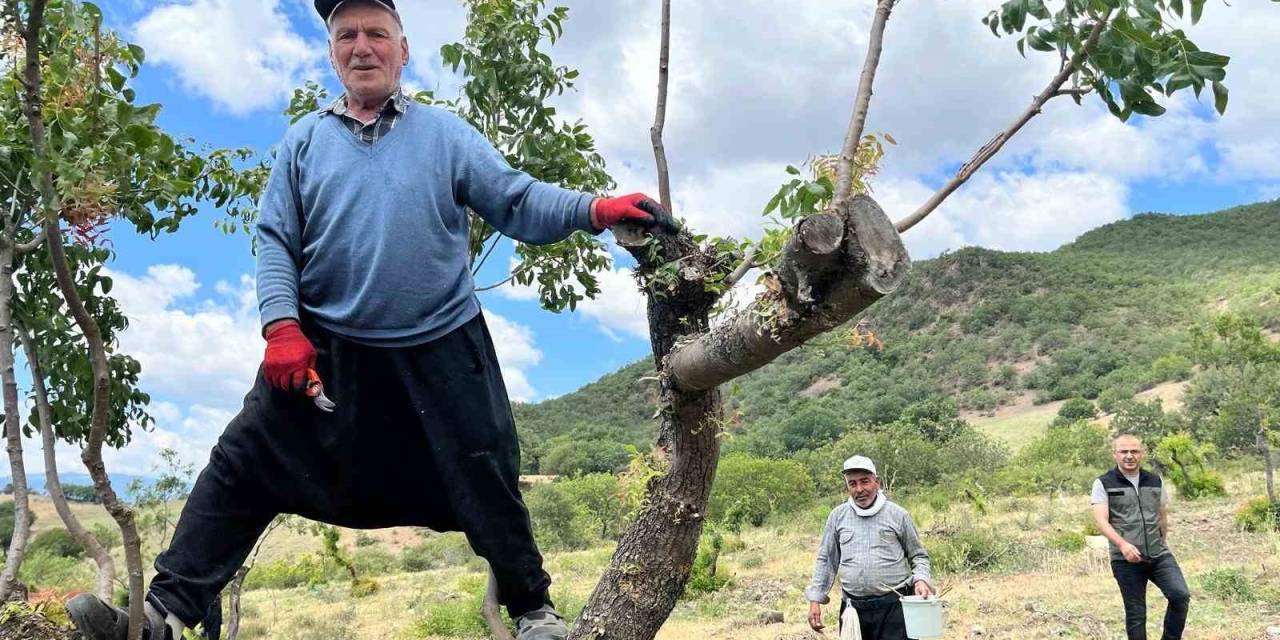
863 487
368 50
1128 453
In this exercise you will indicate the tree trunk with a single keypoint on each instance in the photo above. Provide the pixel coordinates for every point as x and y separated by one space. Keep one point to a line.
846 259
92 454
100 554
12 424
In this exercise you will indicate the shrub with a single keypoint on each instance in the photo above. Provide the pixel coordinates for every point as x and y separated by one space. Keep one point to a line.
363 539
748 489
457 617
1229 584
283 573
1077 409
108 535
1111 398
1258 515
446 550
373 561
559 522
1069 541
706 576
56 542
970 549
44 570
1147 420
7 520
1090 526
1186 462
602 495
1171 367
1068 456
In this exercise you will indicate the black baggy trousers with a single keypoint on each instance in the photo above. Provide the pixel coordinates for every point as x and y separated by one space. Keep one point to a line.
422 436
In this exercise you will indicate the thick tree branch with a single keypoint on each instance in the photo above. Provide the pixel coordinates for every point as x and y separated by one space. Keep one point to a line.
825 289
660 114
993 147
862 102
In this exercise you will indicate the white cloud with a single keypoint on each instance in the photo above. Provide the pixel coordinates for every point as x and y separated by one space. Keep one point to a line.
1015 211
517 351
242 54
192 351
619 310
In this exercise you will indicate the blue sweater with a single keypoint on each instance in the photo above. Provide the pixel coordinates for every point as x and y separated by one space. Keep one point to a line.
370 241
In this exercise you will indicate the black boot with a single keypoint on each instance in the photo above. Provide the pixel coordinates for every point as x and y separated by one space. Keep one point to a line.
97 620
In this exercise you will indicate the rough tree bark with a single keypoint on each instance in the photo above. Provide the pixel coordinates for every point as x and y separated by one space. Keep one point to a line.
92 453
89 542
835 264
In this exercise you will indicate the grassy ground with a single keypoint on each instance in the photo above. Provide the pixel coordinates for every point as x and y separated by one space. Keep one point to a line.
1031 590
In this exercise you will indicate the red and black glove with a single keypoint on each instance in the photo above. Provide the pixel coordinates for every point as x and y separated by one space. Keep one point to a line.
289 356
636 207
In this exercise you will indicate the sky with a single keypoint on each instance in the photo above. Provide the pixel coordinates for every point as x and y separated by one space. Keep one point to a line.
755 85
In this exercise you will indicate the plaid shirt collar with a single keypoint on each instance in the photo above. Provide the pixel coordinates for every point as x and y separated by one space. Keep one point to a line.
371 132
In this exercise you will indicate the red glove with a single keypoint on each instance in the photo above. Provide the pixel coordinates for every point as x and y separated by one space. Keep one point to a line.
289 356
637 207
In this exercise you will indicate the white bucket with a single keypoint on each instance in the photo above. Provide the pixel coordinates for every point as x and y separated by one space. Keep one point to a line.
923 617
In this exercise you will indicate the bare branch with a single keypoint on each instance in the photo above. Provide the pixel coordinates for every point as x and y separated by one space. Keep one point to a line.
33 244
491 612
748 261
1078 92
844 171
660 115
992 147
488 252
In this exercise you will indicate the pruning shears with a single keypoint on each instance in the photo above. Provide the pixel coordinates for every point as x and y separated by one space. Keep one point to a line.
315 390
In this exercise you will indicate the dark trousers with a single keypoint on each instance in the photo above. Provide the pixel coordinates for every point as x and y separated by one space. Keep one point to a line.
880 617
422 436
1167 576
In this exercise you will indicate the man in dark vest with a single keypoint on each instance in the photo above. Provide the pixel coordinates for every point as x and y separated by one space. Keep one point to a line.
1129 507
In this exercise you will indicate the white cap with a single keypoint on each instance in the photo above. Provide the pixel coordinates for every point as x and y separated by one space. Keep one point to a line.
862 463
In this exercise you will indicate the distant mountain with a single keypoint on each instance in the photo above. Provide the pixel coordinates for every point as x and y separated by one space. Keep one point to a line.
120 481
1106 315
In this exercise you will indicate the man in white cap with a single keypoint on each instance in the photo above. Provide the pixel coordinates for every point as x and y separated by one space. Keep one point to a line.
364 285
872 545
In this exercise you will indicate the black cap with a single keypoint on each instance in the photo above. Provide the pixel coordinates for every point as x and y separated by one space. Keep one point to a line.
325 7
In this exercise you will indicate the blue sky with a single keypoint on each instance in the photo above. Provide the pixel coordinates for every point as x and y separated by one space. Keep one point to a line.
755 85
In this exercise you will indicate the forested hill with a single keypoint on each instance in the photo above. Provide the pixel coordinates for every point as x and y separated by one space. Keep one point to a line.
1103 317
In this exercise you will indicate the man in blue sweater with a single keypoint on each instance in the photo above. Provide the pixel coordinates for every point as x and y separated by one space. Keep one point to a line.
364 286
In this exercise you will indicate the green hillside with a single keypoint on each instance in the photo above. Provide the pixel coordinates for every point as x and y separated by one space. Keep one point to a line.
1102 318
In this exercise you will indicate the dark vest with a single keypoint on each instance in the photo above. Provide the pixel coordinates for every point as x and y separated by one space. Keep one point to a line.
1135 513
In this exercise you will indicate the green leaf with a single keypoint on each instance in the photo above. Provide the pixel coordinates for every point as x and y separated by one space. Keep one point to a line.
1147 108
1176 7
139 54
1197 9
1220 97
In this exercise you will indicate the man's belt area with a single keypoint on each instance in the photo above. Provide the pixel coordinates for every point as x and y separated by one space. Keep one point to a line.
874 603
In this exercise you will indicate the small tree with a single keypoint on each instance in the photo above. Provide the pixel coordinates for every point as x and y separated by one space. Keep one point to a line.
1186 460
1235 349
